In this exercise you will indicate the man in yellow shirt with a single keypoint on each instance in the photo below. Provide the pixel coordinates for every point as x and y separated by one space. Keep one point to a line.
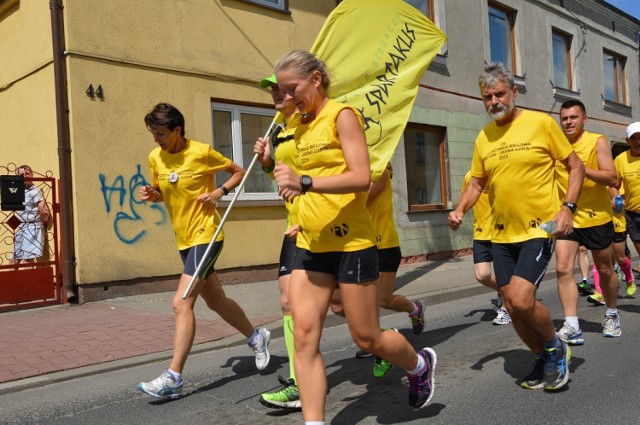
517 152
592 223
628 169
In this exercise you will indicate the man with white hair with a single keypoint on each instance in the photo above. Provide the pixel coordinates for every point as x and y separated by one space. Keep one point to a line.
517 153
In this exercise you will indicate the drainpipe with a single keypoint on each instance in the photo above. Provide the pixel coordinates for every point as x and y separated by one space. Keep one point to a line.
64 154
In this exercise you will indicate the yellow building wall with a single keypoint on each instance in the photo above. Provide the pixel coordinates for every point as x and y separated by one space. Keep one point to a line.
184 53
27 97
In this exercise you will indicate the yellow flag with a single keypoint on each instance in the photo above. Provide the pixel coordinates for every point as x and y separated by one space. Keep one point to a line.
376 52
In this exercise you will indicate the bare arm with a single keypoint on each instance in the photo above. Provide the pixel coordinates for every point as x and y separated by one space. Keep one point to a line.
606 173
356 178
237 173
378 186
43 210
467 200
564 217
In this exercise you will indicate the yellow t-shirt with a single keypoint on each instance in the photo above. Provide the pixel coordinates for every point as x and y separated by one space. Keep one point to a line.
182 177
519 158
628 167
286 153
330 222
481 213
381 209
594 204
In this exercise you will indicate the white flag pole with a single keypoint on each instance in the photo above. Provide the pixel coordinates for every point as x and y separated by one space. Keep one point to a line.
238 189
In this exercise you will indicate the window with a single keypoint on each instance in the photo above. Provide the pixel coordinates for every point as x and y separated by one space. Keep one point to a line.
561 44
424 6
501 24
614 87
424 157
273 4
235 131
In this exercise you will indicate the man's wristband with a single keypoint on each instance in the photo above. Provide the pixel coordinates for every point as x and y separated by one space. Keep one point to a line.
270 169
224 189
573 207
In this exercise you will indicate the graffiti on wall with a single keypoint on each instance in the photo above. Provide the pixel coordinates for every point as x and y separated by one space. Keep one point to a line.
130 225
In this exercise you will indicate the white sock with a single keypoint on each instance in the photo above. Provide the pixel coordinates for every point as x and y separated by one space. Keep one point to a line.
419 367
611 312
313 422
573 322
177 377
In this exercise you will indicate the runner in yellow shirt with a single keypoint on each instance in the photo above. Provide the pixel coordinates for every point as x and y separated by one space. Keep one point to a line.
628 168
592 223
482 258
335 245
516 152
182 175
284 150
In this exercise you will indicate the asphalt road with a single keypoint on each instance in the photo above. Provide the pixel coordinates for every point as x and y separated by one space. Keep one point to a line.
476 379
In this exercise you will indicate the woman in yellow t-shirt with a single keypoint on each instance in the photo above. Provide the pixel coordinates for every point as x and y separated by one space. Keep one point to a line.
335 245
183 173
284 150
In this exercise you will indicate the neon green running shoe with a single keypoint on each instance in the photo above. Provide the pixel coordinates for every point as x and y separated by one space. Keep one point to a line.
381 367
631 288
286 398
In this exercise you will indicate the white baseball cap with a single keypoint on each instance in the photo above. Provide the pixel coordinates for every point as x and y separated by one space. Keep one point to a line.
633 129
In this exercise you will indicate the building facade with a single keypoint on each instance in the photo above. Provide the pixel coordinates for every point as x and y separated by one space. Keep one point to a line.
206 57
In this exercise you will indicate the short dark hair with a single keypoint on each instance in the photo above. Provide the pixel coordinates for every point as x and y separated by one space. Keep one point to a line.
165 114
573 102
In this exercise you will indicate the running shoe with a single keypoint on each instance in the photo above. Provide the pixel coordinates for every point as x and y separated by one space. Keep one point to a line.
421 387
503 317
286 398
585 288
361 354
611 326
417 320
381 367
535 378
631 288
556 367
570 335
164 386
261 348
596 298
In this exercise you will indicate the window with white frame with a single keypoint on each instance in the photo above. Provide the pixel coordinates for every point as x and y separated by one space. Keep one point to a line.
235 131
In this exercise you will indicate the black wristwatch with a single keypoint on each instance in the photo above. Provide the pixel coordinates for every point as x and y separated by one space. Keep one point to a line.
573 207
305 183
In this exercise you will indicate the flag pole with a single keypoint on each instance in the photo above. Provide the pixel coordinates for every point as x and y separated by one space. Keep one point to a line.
224 218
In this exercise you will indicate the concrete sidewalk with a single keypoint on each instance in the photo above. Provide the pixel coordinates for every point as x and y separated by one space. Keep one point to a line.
51 344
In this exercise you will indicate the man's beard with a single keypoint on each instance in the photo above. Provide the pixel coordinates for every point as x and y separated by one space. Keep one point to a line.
503 111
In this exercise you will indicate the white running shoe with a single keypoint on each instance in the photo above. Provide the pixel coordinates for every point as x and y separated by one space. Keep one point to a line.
261 348
163 386
503 317
611 327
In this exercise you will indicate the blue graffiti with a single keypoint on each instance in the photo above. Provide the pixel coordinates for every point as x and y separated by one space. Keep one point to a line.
124 220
